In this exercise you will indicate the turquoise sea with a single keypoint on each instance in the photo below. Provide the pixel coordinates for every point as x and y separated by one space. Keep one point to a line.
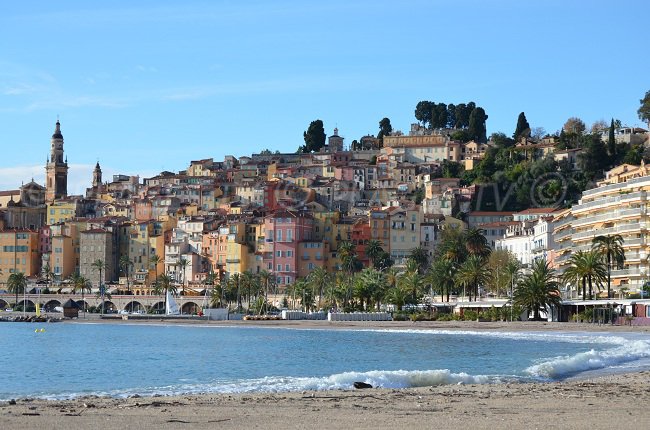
69 360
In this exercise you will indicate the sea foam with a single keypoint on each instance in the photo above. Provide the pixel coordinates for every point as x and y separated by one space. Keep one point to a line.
564 366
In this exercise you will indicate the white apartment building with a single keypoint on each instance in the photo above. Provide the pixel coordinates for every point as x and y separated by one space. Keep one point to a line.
619 205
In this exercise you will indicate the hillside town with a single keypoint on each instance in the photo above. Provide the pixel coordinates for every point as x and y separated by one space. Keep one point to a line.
281 217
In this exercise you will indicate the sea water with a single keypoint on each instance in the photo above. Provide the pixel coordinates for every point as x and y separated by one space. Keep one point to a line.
70 360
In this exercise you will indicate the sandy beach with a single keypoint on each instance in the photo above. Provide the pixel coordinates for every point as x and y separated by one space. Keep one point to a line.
596 403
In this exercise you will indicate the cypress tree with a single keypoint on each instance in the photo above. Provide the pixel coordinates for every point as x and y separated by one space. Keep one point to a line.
611 140
523 128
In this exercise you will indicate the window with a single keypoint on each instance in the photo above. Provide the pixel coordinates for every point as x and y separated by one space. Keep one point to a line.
278 253
289 253
287 268
279 267
278 235
290 235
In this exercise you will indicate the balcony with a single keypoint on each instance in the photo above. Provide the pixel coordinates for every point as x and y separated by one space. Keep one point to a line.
632 271
232 260
610 216
623 228
608 201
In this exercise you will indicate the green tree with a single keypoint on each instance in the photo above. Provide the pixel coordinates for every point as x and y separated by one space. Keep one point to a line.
420 258
266 278
125 264
644 109
348 257
441 276
374 251
385 129
81 283
476 243
611 250
314 137
154 261
100 265
439 115
587 266
523 128
319 279
538 290
611 140
423 111
473 273
477 128
16 283
183 263
163 285
412 282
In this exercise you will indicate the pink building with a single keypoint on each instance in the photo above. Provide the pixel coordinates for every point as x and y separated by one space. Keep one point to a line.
285 230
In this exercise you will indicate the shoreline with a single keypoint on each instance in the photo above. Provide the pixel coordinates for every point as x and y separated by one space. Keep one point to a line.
503 326
600 402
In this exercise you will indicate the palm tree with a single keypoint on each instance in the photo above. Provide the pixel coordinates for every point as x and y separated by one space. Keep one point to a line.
80 283
162 285
183 263
125 264
373 286
473 272
574 276
265 278
538 290
512 270
154 261
319 279
476 243
374 250
611 248
49 275
100 266
421 258
348 257
397 296
236 283
441 276
453 245
412 282
16 284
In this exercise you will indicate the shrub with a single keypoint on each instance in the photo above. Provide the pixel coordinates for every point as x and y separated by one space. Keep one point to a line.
470 315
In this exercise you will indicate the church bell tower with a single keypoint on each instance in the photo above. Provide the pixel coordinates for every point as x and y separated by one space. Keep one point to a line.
56 170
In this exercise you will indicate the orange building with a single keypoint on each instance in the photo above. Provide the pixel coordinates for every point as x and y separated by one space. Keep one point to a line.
19 253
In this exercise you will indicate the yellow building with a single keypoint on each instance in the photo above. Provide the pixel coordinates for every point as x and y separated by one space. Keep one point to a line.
62 211
19 253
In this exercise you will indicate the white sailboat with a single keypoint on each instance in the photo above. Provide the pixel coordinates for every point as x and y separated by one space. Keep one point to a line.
172 306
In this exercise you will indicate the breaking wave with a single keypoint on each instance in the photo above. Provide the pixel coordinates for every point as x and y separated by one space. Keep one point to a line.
564 366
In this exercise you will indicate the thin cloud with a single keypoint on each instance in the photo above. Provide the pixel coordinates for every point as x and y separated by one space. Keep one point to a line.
79 176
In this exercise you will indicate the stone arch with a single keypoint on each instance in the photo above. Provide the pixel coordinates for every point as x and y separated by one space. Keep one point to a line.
50 305
83 304
28 305
109 306
134 306
158 308
3 304
190 308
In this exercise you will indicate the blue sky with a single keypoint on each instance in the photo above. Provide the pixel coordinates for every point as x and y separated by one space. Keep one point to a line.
150 85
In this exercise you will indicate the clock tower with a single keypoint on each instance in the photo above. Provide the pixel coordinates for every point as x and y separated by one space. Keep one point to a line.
56 169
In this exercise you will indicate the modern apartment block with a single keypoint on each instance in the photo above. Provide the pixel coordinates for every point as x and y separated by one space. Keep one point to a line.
618 205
